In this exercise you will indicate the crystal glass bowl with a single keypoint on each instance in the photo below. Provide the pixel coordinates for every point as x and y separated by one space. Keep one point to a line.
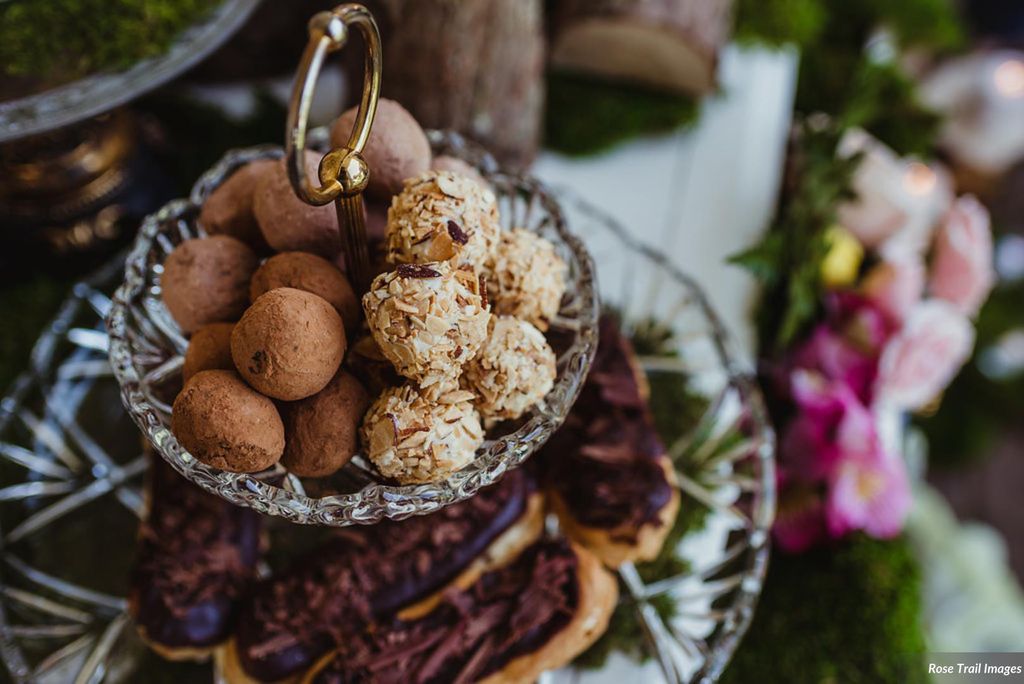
146 348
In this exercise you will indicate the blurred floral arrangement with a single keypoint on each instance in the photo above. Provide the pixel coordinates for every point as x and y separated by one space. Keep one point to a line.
876 323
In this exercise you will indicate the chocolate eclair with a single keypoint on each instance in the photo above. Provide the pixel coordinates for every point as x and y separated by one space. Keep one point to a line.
196 557
606 471
365 575
534 614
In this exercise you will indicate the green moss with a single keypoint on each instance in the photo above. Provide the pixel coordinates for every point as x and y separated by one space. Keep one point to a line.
63 39
847 614
779 22
586 116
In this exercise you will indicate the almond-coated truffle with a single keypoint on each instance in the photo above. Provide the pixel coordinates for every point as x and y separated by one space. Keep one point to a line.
209 348
323 430
288 344
227 425
308 272
288 223
229 209
397 149
206 280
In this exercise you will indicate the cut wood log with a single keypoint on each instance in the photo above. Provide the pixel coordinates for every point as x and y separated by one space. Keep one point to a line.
671 45
475 66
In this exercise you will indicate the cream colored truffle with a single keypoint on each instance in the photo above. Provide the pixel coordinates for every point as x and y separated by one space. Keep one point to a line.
442 216
514 369
414 439
526 278
428 320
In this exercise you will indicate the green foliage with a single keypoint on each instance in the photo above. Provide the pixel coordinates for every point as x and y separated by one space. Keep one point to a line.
788 260
847 614
884 101
64 39
838 78
779 22
586 115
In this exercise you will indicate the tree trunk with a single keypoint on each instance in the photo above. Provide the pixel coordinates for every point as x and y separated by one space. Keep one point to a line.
475 66
667 44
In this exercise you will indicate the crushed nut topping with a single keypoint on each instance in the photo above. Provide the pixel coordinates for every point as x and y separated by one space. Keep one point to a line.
526 278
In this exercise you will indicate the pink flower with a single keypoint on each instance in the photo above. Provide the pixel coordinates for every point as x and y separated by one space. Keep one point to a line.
962 270
924 356
895 287
895 197
840 357
868 491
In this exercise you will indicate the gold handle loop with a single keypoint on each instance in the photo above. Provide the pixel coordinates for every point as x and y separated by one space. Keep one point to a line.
343 172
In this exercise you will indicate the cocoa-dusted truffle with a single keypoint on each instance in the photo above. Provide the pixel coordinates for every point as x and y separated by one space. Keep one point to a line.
514 369
442 216
323 430
305 271
287 222
397 148
229 209
226 424
427 319
414 439
526 277
455 165
288 344
209 348
206 280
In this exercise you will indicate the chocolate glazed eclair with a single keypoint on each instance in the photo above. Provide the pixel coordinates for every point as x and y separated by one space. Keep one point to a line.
196 557
607 474
535 614
369 574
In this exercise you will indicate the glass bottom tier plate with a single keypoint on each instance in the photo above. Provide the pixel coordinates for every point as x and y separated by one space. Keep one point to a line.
71 470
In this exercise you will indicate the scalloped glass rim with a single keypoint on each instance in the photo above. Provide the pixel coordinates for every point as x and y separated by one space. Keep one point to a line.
132 310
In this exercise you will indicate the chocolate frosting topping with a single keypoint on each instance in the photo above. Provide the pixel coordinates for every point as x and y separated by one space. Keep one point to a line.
195 558
604 461
473 633
365 575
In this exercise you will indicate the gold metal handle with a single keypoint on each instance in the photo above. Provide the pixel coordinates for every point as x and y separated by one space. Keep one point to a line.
343 173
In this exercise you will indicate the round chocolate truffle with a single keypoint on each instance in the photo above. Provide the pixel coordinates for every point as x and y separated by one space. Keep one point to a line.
305 271
397 149
289 224
323 430
442 216
206 280
228 209
209 348
514 369
427 319
526 277
288 344
414 439
227 425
